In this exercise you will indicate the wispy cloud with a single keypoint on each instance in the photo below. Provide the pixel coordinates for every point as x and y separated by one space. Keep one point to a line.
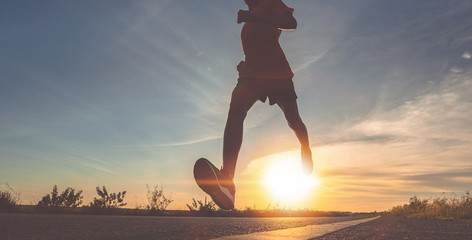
188 142
441 114
466 55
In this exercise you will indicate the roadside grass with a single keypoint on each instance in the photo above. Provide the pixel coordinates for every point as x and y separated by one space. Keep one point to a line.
205 208
197 208
247 212
70 202
9 199
445 208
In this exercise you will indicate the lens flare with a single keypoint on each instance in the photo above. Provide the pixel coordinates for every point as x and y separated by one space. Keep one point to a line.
285 180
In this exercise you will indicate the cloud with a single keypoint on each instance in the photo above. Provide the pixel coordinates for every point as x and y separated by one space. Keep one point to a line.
458 179
259 164
382 179
189 142
466 55
443 113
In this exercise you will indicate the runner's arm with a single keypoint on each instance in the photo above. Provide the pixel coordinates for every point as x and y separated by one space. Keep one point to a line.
283 22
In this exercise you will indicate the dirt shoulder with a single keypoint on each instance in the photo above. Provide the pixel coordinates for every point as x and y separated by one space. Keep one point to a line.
404 228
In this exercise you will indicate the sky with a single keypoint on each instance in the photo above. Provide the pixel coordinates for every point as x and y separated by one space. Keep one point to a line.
127 93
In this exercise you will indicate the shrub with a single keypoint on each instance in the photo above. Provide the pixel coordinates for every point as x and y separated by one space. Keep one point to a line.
106 200
68 198
202 206
157 201
9 199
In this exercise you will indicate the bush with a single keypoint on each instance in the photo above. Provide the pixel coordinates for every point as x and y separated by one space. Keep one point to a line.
203 207
9 199
106 200
68 198
157 201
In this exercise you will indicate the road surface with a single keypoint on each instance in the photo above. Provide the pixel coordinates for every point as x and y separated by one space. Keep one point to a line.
63 226
404 228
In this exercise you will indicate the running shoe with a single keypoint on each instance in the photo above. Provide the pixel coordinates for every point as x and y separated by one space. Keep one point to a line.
215 183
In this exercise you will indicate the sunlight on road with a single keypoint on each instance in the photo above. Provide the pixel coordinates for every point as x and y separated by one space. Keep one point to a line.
307 232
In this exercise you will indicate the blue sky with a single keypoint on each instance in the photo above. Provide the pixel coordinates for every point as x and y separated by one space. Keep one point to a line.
129 93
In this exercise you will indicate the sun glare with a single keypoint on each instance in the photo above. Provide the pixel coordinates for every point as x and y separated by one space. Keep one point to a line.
286 182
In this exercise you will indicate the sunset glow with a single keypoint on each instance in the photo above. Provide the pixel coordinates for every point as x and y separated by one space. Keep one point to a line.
286 183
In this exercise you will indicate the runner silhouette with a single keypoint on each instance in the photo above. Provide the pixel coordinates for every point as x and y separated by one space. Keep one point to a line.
265 73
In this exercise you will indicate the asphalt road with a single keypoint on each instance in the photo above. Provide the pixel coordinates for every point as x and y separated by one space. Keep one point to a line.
62 226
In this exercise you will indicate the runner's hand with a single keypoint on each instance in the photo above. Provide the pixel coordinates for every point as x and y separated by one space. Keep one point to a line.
241 66
242 69
245 16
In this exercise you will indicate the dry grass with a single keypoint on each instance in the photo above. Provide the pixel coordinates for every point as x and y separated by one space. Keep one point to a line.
9 199
452 208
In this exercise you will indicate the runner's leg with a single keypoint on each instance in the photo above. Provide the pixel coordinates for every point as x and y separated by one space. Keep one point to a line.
242 100
290 110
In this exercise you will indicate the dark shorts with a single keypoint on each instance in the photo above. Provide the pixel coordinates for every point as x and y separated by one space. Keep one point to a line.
276 90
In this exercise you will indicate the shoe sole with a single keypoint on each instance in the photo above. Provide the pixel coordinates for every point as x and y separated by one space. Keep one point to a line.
207 180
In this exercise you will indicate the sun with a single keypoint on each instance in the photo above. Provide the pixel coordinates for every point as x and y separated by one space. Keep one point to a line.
286 182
